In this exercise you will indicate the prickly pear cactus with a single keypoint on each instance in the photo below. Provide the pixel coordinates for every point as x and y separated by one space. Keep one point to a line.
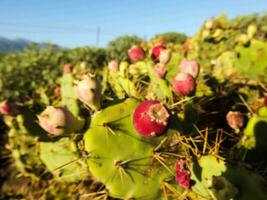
252 60
120 158
23 140
215 179
68 94
63 160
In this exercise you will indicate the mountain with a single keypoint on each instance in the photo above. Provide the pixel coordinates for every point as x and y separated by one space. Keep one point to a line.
16 45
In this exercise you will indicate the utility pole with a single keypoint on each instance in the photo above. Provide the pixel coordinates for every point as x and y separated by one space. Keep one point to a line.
97 36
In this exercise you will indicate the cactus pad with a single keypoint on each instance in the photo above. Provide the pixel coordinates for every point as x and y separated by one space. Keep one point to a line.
120 158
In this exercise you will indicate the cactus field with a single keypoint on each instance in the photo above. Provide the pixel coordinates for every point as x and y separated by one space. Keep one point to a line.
157 120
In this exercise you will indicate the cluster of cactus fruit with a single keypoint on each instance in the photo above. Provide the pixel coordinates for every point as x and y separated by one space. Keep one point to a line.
148 129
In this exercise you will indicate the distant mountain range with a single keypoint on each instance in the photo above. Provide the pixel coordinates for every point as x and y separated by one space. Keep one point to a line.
16 45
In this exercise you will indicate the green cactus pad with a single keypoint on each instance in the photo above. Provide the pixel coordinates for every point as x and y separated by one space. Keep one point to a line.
68 94
202 172
120 158
121 86
216 180
62 160
252 60
158 86
24 151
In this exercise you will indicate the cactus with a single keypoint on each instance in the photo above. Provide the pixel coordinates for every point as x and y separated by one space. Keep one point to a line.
214 179
68 95
23 140
63 160
252 60
255 137
120 158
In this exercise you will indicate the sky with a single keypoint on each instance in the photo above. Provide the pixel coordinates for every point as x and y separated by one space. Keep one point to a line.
72 23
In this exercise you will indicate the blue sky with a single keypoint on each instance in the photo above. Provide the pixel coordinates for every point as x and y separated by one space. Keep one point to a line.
73 23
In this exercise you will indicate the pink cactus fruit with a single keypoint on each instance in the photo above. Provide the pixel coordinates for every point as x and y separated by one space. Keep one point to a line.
235 120
113 65
189 66
183 84
59 121
150 118
182 175
67 68
136 53
165 56
89 92
160 70
7 108
155 52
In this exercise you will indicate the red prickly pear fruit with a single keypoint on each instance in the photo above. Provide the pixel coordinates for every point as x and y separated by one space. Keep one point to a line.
8 108
155 52
57 91
164 56
5 108
160 70
189 66
150 118
59 121
182 176
113 65
235 120
183 84
89 92
136 53
67 68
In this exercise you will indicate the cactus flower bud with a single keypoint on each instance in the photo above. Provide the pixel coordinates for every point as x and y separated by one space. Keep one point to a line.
89 92
183 84
155 52
160 70
67 68
235 120
150 118
164 56
136 53
113 65
59 121
182 176
189 66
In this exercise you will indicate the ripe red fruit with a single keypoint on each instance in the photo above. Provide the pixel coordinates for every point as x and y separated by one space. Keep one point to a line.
183 84
8 108
150 118
182 176
136 53
155 52
5 107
